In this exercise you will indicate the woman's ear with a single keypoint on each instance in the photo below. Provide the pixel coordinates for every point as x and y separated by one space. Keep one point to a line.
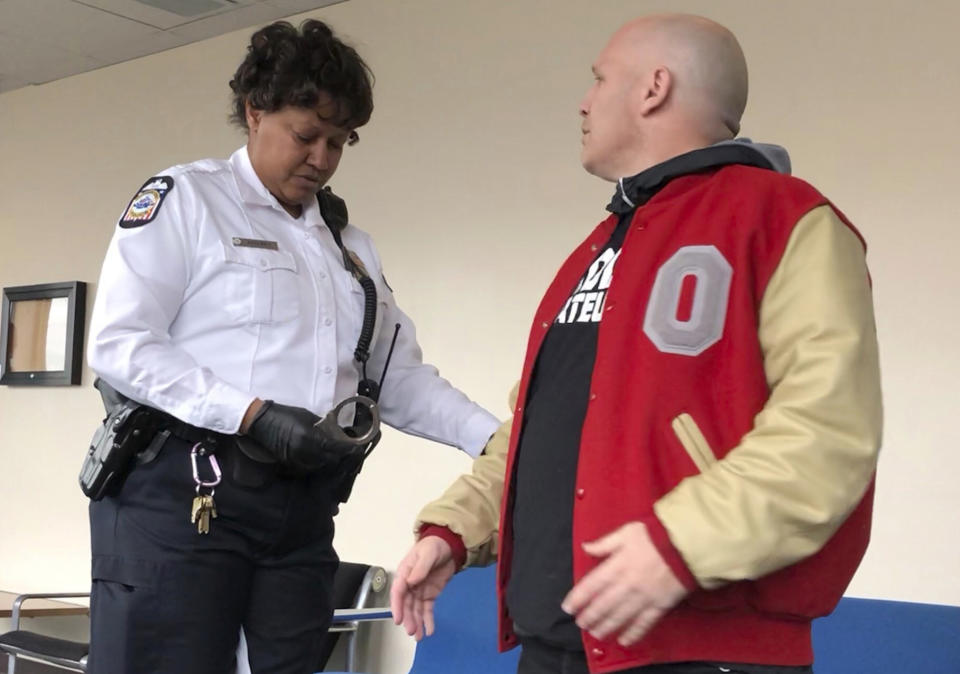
253 116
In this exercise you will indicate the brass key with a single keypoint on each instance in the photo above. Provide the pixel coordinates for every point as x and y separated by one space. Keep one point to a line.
203 509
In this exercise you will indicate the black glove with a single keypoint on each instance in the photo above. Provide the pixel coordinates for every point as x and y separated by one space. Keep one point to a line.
290 434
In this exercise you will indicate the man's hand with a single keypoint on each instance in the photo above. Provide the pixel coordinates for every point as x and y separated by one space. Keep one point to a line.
291 434
420 577
629 591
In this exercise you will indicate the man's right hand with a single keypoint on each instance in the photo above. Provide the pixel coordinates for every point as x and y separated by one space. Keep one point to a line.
420 577
291 434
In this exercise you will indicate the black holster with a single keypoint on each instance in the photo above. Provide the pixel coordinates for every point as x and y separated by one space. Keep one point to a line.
128 430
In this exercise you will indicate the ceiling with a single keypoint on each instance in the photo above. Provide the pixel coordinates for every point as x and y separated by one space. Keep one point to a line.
45 40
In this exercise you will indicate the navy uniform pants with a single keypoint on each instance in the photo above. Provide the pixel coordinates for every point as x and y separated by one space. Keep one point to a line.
539 657
166 599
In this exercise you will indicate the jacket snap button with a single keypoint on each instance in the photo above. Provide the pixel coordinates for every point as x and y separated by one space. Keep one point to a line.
598 653
593 246
545 325
593 396
581 492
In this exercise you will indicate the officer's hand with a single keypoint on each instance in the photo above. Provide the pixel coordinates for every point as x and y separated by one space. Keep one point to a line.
290 434
420 577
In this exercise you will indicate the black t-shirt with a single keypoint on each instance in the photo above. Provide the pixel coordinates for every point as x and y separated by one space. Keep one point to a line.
546 465
545 474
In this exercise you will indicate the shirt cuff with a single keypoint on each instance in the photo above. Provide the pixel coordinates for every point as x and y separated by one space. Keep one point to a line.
661 540
457 547
224 408
477 431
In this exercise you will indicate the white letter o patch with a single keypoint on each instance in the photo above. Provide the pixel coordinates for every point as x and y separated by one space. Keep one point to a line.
708 314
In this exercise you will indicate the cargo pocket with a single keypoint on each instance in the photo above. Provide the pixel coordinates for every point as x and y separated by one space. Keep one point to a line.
126 614
696 446
128 573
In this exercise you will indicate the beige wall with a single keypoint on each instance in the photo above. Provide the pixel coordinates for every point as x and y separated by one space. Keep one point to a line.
469 181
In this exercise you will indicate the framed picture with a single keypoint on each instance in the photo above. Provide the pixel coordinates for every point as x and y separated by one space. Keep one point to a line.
41 334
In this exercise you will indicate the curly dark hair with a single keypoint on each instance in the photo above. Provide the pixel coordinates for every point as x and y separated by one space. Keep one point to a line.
285 66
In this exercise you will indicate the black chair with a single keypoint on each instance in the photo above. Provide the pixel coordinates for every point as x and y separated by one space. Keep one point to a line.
355 586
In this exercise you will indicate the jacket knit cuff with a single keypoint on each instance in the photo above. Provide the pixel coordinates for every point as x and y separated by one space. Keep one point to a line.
661 540
453 540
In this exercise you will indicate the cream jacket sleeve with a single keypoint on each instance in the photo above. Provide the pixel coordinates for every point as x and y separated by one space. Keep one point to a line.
470 507
780 494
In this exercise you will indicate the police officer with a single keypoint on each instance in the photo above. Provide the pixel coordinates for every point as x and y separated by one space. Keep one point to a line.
232 303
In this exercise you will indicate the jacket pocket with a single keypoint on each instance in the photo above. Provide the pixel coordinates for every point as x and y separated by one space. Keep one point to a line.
262 285
693 442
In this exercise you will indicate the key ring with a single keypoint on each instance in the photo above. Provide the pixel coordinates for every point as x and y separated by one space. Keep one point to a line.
214 465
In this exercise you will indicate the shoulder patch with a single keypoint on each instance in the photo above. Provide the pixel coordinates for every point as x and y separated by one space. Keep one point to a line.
146 203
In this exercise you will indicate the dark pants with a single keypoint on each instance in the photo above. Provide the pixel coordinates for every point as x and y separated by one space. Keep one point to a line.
168 600
538 657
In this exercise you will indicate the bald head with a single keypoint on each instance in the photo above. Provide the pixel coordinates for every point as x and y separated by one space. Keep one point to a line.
663 85
708 67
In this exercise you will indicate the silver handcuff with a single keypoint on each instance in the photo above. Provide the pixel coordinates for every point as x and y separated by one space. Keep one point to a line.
332 428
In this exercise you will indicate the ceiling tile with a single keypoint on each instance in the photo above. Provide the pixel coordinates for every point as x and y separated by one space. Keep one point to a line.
44 40
243 17
70 26
9 82
152 15
290 7
30 61
132 45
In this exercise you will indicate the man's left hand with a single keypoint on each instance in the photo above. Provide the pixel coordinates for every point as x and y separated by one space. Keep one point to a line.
629 591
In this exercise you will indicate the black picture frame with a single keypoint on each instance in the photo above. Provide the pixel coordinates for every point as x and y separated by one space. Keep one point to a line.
76 294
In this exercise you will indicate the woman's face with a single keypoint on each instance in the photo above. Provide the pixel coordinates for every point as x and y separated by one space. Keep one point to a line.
294 151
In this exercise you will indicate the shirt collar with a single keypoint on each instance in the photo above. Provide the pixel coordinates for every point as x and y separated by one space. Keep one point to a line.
254 192
640 188
252 189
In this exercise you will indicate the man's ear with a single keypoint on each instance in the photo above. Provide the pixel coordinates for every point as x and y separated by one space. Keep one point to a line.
655 89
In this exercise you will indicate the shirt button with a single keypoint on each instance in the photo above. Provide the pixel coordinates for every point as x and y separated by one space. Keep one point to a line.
263 263
328 321
598 653
322 275
218 424
581 492
327 370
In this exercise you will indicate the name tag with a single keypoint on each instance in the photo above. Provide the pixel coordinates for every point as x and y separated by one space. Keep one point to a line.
254 243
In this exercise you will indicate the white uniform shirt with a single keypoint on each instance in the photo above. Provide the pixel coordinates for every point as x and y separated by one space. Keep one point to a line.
188 321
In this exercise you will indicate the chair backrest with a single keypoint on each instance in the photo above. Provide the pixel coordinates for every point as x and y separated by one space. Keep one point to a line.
880 637
354 586
465 640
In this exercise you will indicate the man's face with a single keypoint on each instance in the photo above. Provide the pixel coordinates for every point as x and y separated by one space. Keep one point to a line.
294 150
610 135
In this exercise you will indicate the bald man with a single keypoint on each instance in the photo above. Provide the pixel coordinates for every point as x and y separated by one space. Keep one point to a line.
687 480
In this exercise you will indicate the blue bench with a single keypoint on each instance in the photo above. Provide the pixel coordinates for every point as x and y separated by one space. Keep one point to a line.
862 636
878 636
